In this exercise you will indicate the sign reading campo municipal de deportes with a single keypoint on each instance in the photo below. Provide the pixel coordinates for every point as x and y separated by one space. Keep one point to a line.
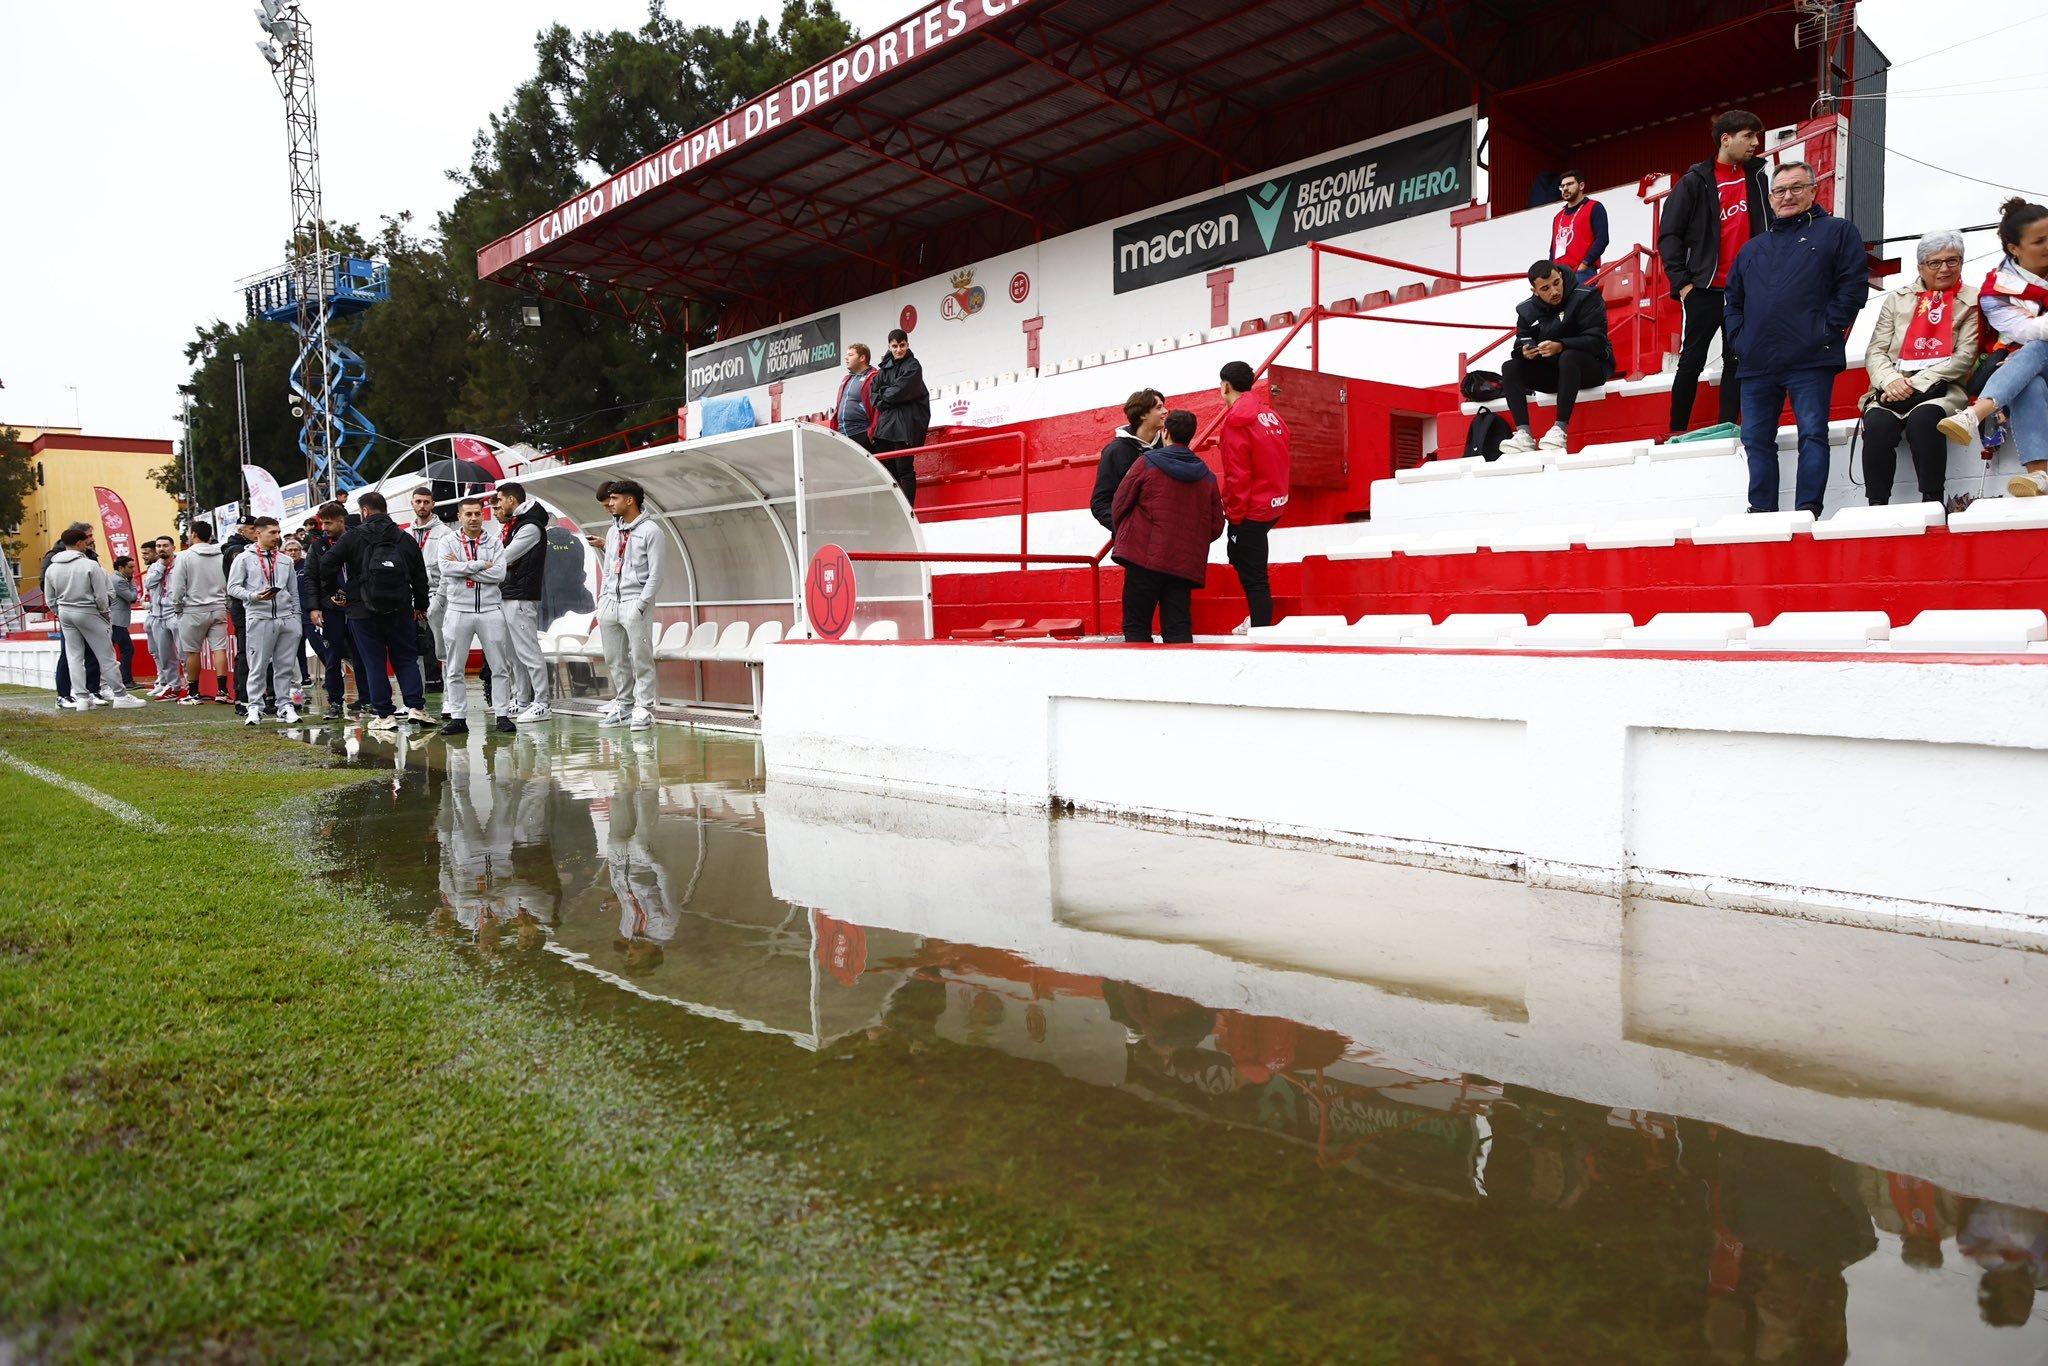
1364 189
798 349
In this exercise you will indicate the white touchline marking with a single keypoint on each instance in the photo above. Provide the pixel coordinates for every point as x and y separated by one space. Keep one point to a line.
113 806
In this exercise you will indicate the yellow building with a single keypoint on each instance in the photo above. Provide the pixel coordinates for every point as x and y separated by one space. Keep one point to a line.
68 465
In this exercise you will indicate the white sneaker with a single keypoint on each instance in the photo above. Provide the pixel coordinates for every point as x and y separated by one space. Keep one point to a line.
537 712
1960 428
384 725
643 720
1521 443
287 715
1243 628
1553 440
2028 484
251 717
420 718
614 715
99 700
125 701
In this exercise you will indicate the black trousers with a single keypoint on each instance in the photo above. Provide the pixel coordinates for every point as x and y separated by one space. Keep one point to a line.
1566 374
92 670
238 615
124 650
1703 322
1146 591
1917 419
1246 544
903 468
430 658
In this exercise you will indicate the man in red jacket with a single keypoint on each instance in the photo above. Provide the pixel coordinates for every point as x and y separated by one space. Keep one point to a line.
1167 511
1255 463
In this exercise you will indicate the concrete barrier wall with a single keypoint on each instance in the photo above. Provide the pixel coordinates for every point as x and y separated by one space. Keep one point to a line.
1869 786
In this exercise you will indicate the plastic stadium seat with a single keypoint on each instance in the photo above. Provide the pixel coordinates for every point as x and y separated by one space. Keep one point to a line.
880 630
1950 632
1468 630
703 641
732 642
1409 293
1753 528
989 630
768 633
1689 631
1280 320
1822 630
1572 631
1443 287
1388 629
1344 306
1251 325
1379 298
578 624
674 641
1899 519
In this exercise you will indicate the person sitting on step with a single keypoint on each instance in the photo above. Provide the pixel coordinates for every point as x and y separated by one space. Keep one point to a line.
1560 347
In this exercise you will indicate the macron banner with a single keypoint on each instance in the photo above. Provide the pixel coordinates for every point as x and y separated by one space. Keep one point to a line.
120 532
799 349
266 499
1360 190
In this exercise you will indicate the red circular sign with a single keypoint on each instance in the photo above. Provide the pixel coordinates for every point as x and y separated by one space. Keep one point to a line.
1020 287
828 592
907 319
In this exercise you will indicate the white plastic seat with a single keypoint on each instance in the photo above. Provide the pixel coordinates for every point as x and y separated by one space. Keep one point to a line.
1599 457
562 647
1898 519
1526 462
1572 631
1297 630
1442 543
769 633
1689 631
1822 630
703 641
1753 528
2002 514
732 642
1552 537
1996 630
1190 339
1387 629
1467 630
581 625
1643 531
674 641
880 630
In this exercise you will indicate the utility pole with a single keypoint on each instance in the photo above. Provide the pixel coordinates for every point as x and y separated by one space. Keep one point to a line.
242 429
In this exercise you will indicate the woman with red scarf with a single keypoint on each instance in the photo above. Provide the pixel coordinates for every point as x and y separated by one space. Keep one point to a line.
2015 304
1920 354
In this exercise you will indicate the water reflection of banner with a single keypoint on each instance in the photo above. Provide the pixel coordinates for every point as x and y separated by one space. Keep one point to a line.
265 498
120 532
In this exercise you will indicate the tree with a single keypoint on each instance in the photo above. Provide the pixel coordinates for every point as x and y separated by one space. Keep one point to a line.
17 477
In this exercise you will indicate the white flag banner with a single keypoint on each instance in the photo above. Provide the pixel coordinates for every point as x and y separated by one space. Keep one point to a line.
266 499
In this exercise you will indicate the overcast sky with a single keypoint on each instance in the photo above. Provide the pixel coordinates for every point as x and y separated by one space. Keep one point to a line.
142 155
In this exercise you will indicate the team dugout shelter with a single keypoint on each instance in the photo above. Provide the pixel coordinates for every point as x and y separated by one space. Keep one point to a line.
975 127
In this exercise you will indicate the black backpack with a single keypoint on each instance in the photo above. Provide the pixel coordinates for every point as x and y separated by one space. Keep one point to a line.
1482 386
1484 436
385 584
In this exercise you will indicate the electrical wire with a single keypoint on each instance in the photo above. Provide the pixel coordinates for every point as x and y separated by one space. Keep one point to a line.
1959 175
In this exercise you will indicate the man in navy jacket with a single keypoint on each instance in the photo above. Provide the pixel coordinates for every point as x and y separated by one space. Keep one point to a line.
1792 297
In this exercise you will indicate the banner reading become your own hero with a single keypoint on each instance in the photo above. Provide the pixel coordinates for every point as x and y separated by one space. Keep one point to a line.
798 349
1360 190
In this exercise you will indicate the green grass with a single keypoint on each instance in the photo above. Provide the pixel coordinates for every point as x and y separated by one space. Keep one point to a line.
243 1114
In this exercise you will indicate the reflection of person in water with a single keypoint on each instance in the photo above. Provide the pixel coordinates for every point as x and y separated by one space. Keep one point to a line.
1540 1148
1921 1213
2010 1246
1789 1221
1163 1022
648 915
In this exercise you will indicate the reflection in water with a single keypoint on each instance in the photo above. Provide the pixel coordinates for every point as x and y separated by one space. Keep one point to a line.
1287 1091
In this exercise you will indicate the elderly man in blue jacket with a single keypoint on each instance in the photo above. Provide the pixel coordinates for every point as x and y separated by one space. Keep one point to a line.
1792 297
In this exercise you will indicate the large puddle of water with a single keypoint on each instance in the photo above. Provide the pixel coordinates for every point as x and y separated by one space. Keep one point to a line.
1286 1101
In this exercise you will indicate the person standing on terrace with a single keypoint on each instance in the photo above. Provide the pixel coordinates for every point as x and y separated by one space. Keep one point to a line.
2013 300
1257 457
1713 210
903 412
1578 235
1144 421
1560 347
1921 353
853 411
1166 514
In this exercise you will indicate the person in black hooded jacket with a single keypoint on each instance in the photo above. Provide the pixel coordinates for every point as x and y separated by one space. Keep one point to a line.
1713 209
903 412
1144 420
1560 347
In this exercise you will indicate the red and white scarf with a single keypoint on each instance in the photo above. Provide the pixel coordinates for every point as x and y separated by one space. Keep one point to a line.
1931 337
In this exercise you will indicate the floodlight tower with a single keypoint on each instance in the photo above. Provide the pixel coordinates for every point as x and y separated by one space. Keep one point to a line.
317 285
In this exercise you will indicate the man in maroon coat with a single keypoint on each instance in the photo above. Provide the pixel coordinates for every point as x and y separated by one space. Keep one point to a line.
1167 511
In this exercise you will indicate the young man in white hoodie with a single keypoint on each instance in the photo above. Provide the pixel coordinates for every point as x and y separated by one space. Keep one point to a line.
82 594
199 595
628 580
158 621
266 583
433 536
470 573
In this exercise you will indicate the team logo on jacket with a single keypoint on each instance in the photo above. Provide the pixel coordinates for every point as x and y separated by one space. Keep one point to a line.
966 300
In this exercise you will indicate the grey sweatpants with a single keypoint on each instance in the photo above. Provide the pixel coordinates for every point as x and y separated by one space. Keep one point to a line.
163 646
487 629
85 629
527 680
272 639
627 632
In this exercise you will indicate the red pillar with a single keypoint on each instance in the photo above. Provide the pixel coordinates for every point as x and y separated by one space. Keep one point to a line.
1031 330
775 401
1219 297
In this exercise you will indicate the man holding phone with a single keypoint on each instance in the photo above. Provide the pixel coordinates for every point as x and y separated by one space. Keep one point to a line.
1560 347
265 582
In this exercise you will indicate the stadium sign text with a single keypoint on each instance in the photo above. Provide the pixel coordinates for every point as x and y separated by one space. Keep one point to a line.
1364 189
799 349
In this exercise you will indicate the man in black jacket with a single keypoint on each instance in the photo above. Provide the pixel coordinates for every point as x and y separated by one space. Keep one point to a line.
1713 209
1144 419
1560 347
903 412
387 597
238 612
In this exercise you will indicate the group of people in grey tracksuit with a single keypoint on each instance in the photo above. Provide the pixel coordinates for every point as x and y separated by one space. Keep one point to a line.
266 583
83 596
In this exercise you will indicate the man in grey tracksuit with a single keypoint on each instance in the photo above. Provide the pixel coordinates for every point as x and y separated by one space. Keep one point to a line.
266 583
199 595
82 594
433 536
471 572
161 626
629 578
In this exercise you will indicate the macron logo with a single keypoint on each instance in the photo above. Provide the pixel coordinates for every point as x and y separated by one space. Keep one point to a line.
1266 202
